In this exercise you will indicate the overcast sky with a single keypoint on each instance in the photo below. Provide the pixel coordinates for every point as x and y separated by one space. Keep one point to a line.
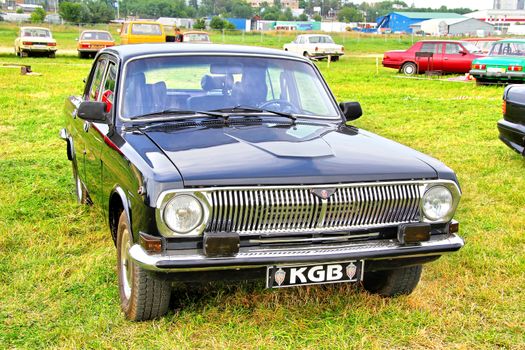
473 4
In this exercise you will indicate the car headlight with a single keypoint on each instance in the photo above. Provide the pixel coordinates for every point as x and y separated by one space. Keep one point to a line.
438 204
183 213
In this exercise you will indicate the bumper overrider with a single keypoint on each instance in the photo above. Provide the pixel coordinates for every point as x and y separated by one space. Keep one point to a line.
483 74
251 257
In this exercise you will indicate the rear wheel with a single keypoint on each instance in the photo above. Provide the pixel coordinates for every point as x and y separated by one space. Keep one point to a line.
334 58
481 82
142 296
24 53
51 55
391 283
409 68
305 54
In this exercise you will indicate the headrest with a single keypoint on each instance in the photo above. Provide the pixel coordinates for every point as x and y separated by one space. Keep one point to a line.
209 83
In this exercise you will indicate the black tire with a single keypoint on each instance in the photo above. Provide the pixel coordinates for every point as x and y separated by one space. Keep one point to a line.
24 54
334 58
142 296
481 82
305 54
80 189
409 68
81 55
51 55
391 283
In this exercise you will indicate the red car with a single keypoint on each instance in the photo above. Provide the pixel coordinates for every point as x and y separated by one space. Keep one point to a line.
448 56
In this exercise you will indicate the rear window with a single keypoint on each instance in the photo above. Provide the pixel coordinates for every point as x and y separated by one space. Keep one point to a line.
146 29
40 33
96 36
321 39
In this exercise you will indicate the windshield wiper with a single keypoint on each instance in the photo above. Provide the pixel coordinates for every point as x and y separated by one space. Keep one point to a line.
250 109
183 112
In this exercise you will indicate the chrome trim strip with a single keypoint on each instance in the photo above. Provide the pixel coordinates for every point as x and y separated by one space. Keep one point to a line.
314 239
257 257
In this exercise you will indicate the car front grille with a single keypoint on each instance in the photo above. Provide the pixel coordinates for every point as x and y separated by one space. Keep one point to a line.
301 209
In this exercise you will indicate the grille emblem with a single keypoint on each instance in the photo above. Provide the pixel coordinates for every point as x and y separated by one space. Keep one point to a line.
279 276
351 270
323 193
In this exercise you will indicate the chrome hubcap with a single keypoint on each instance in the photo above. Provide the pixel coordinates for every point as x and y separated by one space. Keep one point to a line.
125 263
409 69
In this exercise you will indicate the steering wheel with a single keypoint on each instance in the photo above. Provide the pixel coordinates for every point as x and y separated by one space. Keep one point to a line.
283 104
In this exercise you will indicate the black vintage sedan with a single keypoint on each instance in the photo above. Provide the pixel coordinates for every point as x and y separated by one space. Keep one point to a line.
217 162
512 126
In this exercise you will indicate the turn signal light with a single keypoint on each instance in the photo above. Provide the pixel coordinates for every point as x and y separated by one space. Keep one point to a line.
150 243
51 44
515 68
479 66
27 43
453 227
316 48
85 46
504 107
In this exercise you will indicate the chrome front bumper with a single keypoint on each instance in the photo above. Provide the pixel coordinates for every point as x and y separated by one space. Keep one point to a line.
252 257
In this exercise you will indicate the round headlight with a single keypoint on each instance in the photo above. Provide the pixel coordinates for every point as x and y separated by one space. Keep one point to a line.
437 203
183 213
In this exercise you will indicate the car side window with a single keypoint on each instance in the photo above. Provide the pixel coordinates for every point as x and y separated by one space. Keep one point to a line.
428 47
94 90
451 48
495 50
109 86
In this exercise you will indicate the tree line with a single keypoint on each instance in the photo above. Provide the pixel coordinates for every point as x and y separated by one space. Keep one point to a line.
102 11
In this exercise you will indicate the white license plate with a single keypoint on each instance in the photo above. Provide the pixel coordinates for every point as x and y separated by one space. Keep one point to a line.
495 70
303 275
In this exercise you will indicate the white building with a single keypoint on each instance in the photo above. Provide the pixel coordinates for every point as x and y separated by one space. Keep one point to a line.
500 19
453 26
508 4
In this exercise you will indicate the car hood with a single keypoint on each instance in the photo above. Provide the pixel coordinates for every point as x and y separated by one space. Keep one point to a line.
500 60
285 154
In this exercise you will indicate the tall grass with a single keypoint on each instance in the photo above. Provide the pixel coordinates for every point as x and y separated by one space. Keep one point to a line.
57 261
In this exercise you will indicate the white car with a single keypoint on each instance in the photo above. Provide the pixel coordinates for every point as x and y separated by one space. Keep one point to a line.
315 46
35 40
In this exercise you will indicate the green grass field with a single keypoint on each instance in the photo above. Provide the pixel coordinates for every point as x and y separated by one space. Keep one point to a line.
58 285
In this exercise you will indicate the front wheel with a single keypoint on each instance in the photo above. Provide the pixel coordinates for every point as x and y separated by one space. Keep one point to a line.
391 283
142 296
409 68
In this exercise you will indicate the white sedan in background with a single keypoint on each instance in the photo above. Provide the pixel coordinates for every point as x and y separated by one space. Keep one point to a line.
35 40
315 46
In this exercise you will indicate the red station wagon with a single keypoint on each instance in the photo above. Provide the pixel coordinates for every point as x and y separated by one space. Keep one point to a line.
448 56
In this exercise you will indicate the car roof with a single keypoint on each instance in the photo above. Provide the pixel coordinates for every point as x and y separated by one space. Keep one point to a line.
440 41
140 21
95 31
513 40
127 52
35 28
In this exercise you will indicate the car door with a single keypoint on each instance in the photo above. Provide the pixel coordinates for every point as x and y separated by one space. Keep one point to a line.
96 140
431 63
92 132
456 58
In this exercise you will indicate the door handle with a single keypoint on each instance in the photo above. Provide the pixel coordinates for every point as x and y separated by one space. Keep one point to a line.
445 59
86 126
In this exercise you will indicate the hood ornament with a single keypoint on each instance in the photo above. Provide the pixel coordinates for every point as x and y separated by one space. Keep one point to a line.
323 193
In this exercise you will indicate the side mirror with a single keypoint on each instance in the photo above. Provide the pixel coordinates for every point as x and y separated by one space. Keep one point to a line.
462 52
351 110
93 111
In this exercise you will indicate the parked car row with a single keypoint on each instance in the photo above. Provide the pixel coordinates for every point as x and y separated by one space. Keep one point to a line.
32 41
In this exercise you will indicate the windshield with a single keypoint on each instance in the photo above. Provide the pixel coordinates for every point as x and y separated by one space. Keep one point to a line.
146 29
207 83
40 33
190 37
322 39
508 49
471 47
96 36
